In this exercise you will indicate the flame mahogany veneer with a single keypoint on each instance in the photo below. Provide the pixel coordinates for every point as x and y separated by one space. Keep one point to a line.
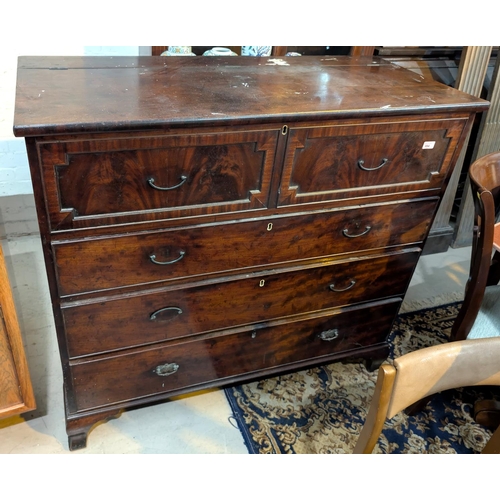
207 221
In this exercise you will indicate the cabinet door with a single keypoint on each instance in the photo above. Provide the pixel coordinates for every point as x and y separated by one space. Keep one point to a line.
16 392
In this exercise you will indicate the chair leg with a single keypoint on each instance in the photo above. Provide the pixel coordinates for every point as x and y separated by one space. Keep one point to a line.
494 272
487 413
378 410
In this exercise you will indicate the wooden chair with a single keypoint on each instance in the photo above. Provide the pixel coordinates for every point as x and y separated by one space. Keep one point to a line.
428 371
479 316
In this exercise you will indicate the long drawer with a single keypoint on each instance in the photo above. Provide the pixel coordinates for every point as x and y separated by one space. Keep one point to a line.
123 322
110 380
101 264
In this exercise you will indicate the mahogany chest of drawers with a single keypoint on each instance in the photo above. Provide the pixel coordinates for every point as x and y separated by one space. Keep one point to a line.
207 221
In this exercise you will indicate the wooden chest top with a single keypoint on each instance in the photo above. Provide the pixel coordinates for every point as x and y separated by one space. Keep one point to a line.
99 94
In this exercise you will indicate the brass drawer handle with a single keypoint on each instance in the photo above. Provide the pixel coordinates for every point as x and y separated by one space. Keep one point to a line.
348 287
152 258
362 167
345 232
166 369
329 335
163 309
151 182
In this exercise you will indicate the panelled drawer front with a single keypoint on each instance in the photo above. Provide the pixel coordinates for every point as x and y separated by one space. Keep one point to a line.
99 182
123 378
340 162
107 263
132 321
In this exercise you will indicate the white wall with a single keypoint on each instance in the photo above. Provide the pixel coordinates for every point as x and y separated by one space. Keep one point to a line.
14 172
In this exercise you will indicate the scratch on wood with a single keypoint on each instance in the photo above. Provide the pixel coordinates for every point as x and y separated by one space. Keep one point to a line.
277 62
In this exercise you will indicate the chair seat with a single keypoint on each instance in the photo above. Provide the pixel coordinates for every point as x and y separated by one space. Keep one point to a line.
487 322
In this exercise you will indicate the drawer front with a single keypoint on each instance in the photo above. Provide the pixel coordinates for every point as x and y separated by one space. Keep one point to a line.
350 161
107 263
163 315
134 375
100 182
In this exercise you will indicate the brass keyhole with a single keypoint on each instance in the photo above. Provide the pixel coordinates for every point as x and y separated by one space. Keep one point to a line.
262 283
270 226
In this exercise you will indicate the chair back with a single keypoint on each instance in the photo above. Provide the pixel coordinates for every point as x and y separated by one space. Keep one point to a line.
447 366
426 372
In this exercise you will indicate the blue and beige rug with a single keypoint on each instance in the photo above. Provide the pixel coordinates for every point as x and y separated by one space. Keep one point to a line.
322 410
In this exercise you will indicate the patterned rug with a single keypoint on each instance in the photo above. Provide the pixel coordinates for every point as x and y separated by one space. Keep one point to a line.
322 410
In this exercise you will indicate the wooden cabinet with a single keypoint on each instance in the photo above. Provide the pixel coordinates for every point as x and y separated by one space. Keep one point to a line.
207 221
16 392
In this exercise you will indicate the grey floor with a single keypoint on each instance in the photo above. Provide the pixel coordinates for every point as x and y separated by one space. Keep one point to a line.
195 424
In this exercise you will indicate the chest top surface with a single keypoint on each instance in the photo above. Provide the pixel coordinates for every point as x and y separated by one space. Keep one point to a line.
98 94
